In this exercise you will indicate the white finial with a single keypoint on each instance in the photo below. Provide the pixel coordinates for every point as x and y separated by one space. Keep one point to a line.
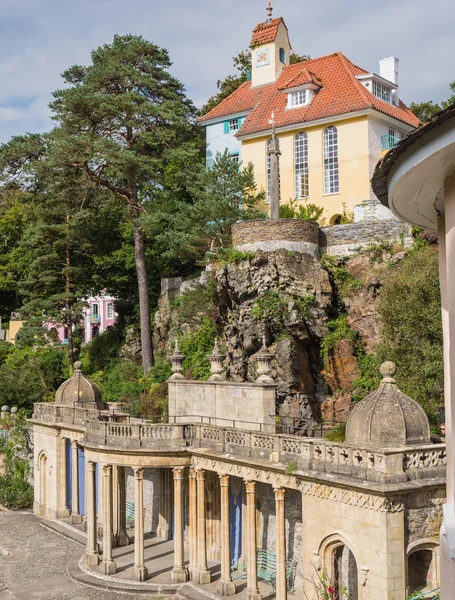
272 122
269 12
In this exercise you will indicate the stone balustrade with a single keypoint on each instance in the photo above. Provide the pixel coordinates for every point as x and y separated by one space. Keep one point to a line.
135 435
54 413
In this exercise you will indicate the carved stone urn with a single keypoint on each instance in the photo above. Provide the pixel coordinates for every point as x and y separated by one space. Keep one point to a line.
264 360
177 359
216 363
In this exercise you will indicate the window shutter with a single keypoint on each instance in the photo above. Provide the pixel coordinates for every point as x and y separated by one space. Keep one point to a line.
226 127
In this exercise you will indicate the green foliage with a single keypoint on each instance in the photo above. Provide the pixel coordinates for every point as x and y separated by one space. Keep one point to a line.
15 489
347 216
369 378
342 278
123 382
31 375
337 434
104 349
196 346
291 468
161 370
424 111
196 304
228 256
242 64
273 309
410 307
306 212
376 251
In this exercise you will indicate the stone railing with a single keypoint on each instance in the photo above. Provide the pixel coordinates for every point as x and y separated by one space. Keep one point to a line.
135 435
315 454
53 413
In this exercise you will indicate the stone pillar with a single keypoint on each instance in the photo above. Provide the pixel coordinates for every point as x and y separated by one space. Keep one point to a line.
225 585
115 506
108 565
100 515
123 538
252 591
243 557
92 554
139 566
281 587
179 573
75 516
192 509
63 509
273 150
201 573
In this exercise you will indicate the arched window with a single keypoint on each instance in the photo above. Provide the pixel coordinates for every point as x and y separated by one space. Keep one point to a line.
302 186
331 174
283 55
422 570
344 573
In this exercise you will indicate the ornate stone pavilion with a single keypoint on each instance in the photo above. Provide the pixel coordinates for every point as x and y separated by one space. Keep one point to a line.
220 482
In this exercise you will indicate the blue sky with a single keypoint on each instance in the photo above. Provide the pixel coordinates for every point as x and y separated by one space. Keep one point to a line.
41 38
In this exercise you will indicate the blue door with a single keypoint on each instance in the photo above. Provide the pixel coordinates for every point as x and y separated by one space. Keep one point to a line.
235 517
81 479
69 473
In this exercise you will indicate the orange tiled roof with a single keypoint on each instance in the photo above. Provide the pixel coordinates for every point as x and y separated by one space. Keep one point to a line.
340 93
264 33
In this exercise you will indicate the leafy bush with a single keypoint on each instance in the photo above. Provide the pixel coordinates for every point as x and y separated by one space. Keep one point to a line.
196 304
274 309
226 256
15 489
161 370
305 212
123 382
338 330
104 349
337 434
196 346
345 283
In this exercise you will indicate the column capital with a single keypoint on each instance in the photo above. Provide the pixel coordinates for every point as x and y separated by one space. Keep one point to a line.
138 472
91 465
107 470
224 480
73 444
250 486
279 492
178 472
200 475
192 473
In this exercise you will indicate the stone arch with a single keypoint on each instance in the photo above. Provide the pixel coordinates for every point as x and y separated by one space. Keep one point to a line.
341 563
335 219
422 565
43 465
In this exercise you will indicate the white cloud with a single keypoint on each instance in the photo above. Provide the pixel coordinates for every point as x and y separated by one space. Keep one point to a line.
38 40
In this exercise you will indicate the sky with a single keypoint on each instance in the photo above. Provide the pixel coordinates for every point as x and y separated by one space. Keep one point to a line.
39 39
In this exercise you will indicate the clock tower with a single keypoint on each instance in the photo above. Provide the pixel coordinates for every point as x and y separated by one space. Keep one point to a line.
270 49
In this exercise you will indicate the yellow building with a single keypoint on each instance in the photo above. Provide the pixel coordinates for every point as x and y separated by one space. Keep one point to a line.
332 118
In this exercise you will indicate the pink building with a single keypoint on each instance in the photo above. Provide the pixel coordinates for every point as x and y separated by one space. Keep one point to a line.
98 315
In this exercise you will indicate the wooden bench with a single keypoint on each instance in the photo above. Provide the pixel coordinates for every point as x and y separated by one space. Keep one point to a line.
130 512
266 569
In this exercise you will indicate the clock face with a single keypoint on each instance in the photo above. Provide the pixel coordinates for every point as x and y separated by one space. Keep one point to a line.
262 57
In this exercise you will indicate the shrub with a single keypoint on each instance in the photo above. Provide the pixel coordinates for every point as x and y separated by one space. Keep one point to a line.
337 434
226 256
338 330
123 382
196 346
104 349
306 212
274 309
161 370
345 283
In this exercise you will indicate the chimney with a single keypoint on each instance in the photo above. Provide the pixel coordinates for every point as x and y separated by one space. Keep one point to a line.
388 69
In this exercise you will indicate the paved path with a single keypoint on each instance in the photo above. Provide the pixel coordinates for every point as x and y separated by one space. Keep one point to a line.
35 566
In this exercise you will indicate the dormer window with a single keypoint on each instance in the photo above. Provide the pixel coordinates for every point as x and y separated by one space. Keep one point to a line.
382 92
298 98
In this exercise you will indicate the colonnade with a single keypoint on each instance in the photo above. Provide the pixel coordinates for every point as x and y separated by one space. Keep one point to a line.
114 532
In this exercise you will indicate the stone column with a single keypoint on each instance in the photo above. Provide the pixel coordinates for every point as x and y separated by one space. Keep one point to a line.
164 522
123 538
139 566
92 554
179 573
108 565
100 512
202 574
273 150
252 591
75 516
243 557
63 509
115 506
281 587
192 509
225 585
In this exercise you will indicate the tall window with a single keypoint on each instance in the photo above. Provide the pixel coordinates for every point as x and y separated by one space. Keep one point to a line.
331 174
282 55
94 309
110 310
382 92
302 187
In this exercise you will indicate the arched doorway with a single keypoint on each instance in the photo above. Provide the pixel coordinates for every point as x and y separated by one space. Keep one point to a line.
43 491
344 573
336 220
422 570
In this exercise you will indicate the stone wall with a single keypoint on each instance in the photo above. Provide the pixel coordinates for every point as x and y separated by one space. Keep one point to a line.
151 496
290 234
342 240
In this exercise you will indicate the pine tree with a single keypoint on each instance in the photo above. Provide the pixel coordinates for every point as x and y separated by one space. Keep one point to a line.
121 119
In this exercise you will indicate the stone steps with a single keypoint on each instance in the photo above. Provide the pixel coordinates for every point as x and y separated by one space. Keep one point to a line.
67 531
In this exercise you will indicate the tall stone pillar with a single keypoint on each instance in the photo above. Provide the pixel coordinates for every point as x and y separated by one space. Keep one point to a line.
123 538
179 573
281 587
108 565
75 516
164 523
273 150
92 554
243 557
115 506
139 565
225 585
202 574
252 590
63 509
192 509
100 513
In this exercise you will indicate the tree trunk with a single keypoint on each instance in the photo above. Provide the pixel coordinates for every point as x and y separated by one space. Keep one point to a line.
69 320
144 299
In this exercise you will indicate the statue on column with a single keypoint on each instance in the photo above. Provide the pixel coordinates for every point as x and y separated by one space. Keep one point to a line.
273 151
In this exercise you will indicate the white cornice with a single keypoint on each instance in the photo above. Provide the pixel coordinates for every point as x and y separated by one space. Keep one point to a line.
244 113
